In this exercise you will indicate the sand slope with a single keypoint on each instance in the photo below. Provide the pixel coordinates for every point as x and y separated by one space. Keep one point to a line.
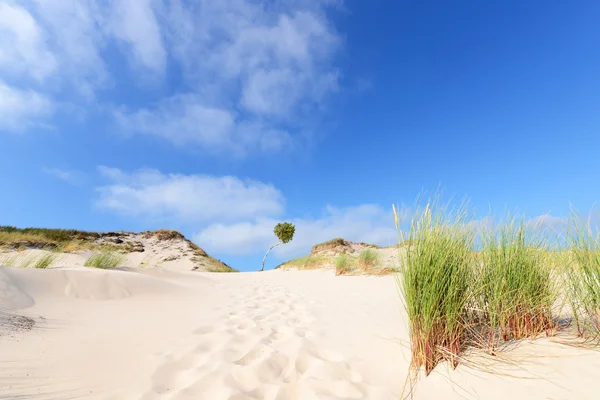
157 334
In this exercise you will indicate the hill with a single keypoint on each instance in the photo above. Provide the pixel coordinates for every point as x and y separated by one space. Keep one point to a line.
67 247
348 258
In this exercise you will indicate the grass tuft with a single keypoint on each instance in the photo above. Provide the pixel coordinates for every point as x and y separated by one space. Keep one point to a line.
516 286
344 265
368 259
104 260
45 260
583 278
435 281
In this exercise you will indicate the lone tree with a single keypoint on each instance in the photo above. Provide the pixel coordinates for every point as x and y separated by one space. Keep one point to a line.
285 233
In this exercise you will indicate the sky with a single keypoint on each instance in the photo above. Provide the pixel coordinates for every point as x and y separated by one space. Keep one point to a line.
222 118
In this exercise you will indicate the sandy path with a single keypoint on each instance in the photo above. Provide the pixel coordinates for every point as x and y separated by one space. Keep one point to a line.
275 335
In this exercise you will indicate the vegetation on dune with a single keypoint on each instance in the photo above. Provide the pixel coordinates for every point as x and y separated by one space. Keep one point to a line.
515 284
220 266
435 282
367 259
10 234
104 260
45 260
344 265
285 233
583 277
513 287
307 262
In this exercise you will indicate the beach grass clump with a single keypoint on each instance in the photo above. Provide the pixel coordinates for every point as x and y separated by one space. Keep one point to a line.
310 261
105 260
583 278
515 285
45 260
367 259
344 265
435 280
8 259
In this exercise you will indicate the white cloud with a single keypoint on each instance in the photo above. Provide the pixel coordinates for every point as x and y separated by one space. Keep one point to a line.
23 47
548 221
253 69
185 119
76 38
135 23
20 109
185 199
365 223
249 71
71 177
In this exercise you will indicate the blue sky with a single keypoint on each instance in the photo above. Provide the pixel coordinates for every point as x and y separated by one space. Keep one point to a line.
220 119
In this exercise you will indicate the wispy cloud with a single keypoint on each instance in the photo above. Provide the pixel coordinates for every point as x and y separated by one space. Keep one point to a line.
186 199
69 176
252 76
22 108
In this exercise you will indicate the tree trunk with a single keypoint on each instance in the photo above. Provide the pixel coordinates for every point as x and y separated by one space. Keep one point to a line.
265 257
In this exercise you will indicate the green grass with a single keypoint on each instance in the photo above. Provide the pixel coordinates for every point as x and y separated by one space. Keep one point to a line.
583 277
508 290
40 234
306 262
45 260
515 284
435 282
8 260
344 265
221 267
104 260
368 259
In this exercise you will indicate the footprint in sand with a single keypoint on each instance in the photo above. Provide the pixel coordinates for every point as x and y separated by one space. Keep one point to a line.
204 330
255 354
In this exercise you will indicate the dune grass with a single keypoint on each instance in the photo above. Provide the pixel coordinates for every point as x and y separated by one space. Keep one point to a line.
435 282
45 260
105 260
54 236
583 278
307 262
368 259
344 265
8 259
514 284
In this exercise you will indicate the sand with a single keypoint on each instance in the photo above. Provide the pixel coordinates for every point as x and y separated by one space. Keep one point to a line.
77 333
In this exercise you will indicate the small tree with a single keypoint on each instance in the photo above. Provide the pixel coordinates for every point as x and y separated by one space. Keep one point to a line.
285 233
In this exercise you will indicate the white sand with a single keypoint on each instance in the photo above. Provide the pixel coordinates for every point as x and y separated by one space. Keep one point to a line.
157 334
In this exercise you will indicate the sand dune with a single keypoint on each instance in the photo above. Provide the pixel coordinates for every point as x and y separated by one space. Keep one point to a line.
157 334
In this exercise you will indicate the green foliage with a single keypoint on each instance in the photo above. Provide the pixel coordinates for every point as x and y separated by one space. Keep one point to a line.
284 231
104 260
